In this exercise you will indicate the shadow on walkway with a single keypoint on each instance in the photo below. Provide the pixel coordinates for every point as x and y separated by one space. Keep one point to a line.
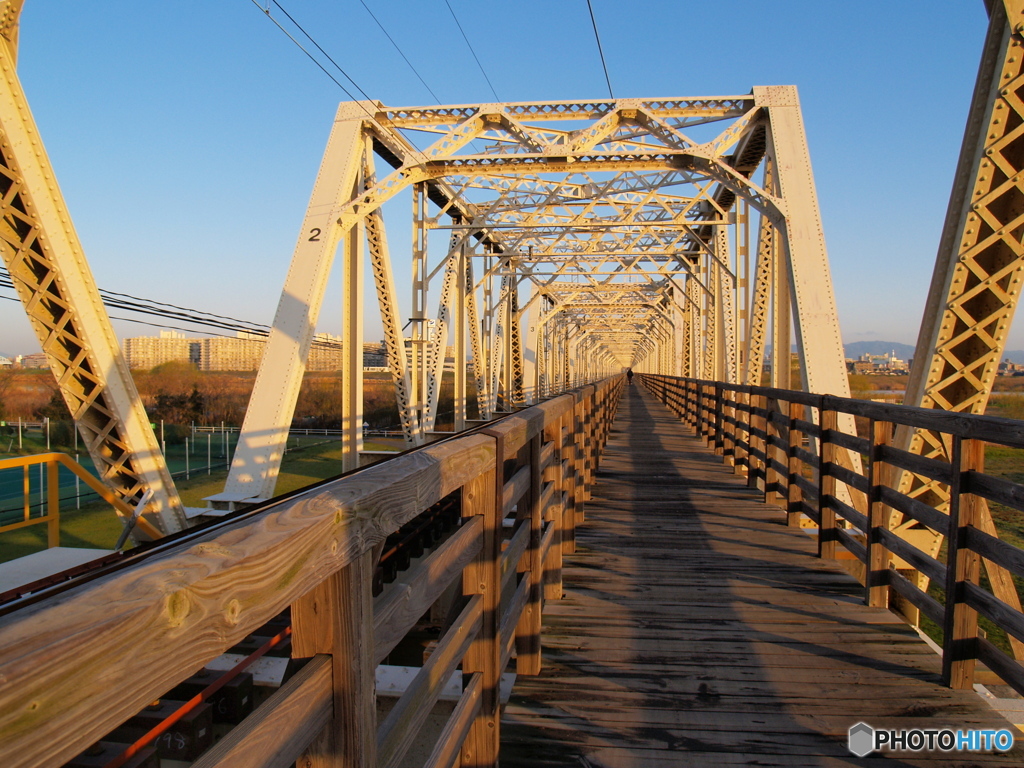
697 629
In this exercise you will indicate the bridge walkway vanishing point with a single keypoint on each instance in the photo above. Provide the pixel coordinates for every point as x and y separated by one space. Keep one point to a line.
697 629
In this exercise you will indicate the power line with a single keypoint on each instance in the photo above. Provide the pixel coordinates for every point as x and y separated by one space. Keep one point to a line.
470 45
266 12
137 322
400 52
600 49
201 318
314 42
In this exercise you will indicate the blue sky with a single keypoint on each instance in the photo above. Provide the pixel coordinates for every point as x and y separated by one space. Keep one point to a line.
186 135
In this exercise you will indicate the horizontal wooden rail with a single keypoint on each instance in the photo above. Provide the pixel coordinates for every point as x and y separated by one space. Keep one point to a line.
849 485
282 727
143 628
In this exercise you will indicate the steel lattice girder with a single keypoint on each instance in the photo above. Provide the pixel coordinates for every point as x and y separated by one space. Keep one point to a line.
977 279
605 212
42 252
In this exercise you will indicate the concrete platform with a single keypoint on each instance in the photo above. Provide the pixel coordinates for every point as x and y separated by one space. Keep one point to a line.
40 565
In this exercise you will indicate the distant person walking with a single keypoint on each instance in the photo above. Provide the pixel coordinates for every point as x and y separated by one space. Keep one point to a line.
629 375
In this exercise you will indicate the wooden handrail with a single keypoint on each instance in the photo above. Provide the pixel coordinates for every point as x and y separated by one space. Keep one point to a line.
753 426
78 665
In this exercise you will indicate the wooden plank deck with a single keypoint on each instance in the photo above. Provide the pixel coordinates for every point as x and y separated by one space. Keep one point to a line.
697 629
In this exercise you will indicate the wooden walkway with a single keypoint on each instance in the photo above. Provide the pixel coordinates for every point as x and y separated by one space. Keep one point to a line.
696 629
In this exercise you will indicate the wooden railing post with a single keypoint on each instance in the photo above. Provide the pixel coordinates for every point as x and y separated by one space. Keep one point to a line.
579 461
690 396
563 513
827 485
482 496
772 476
755 463
729 428
719 443
698 409
794 494
703 422
963 566
336 618
528 649
879 477
590 412
741 463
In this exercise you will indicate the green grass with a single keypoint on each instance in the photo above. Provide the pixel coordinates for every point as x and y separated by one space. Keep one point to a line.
97 526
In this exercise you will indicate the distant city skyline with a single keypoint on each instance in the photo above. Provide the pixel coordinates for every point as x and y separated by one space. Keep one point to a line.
187 176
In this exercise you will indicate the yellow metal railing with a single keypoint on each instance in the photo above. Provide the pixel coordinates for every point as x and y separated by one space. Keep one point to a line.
52 516
53 462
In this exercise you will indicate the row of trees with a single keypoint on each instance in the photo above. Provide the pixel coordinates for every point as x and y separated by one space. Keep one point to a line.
179 393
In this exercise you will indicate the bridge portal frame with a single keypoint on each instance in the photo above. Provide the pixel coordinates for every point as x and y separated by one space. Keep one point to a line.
579 223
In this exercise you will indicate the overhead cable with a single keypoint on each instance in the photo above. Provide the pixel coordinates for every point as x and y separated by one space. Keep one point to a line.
600 50
470 45
400 52
198 317
266 12
314 42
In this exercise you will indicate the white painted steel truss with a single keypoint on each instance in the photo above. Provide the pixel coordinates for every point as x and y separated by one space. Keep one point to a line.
977 280
40 249
582 238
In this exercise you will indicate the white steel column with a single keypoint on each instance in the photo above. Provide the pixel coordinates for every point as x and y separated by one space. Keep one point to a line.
461 356
531 369
353 275
781 326
261 444
473 320
820 345
803 243
727 300
764 270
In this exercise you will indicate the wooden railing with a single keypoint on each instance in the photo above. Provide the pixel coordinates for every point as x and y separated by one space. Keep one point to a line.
75 666
790 445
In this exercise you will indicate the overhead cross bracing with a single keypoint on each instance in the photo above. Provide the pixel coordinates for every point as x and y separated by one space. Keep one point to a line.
582 238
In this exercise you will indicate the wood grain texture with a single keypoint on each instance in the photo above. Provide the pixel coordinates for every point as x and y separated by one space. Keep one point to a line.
400 728
175 611
528 629
515 489
514 550
960 622
336 617
449 743
509 620
696 628
282 727
482 577
405 602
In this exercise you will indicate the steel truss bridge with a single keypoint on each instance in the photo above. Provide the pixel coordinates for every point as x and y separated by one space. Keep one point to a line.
678 237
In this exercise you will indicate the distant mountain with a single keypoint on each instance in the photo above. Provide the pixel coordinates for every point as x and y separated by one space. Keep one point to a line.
858 348
906 351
